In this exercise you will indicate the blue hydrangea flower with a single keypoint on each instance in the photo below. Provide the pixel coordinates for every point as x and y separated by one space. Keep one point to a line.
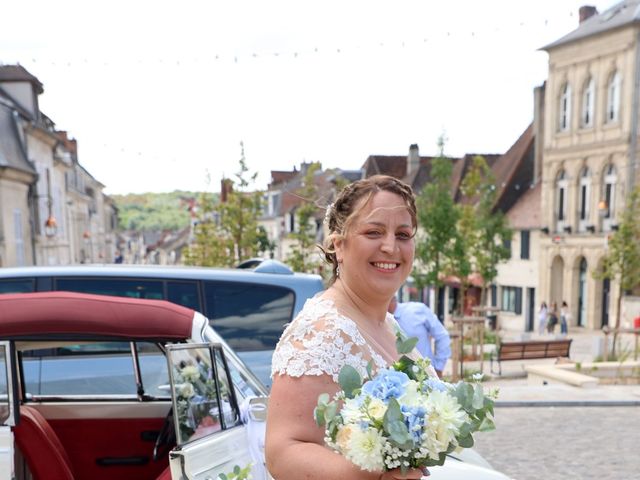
434 384
414 420
386 384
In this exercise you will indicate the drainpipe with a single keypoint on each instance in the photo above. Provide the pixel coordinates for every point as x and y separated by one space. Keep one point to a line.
634 120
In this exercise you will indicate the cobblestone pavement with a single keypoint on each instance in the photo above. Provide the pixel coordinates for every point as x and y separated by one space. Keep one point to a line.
564 443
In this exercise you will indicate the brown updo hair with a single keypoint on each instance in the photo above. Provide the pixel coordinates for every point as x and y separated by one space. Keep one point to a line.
341 213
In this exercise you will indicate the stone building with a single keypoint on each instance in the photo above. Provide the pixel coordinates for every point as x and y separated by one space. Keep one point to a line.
588 155
52 211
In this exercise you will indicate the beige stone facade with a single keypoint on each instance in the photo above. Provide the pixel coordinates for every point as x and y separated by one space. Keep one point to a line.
589 151
52 211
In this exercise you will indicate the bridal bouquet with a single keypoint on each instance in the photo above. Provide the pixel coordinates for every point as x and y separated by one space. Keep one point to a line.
402 417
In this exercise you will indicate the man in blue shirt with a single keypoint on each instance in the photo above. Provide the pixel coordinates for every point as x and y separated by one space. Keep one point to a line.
417 320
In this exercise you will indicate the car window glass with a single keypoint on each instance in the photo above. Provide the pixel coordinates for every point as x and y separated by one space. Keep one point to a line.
80 369
110 286
16 286
4 397
153 369
184 293
104 368
249 317
195 393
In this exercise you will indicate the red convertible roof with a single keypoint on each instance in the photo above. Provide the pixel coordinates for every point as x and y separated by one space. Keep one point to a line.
82 315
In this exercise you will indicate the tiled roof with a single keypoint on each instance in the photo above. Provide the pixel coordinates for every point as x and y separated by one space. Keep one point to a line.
525 214
508 166
395 166
619 15
279 176
17 73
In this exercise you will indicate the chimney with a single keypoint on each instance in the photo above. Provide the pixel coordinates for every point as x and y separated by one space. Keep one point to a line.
413 159
587 11
226 187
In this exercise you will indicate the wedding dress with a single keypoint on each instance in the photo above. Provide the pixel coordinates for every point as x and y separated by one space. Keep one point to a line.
321 340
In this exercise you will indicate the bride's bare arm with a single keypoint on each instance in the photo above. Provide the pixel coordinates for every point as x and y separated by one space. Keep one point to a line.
295 444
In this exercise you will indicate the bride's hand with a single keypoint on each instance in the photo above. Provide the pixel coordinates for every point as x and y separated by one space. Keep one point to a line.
411 474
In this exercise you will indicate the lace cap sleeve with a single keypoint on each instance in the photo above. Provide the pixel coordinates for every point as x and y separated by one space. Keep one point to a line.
320 341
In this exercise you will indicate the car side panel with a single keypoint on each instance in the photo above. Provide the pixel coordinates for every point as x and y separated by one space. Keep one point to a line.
210 456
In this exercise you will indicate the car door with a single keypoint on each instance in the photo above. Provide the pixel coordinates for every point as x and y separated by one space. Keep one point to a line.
7 411
211 437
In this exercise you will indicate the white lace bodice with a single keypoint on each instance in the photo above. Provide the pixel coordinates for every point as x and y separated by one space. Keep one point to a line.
321 340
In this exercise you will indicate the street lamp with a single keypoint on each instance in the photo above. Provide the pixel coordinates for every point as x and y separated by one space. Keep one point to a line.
603 208
50 226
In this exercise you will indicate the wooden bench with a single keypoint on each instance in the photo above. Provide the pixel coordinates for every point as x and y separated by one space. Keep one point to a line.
532 349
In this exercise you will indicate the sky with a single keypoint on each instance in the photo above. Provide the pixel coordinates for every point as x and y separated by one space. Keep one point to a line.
161 94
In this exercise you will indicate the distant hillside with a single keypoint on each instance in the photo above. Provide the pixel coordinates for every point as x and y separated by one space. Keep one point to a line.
155 211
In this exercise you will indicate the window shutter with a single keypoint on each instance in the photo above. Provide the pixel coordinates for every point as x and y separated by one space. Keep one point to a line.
494 296
518 300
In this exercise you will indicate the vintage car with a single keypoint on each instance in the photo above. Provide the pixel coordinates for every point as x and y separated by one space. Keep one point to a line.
100 387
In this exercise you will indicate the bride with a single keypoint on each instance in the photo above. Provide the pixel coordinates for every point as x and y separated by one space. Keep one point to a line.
371 248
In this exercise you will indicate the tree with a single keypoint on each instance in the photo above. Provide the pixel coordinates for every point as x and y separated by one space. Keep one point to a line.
208 247
484 228
622 262
439 249
228 232
299 257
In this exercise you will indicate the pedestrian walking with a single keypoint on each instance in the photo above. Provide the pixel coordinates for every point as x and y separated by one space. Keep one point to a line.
542 318
552 318
564 318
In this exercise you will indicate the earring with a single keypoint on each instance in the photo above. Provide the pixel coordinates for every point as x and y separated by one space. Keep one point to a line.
338 270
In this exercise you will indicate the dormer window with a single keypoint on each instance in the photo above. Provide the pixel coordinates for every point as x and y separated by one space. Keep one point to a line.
588 104
565 108
613 98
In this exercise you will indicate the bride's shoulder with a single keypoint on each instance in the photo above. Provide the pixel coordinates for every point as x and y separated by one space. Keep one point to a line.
319 340
318 313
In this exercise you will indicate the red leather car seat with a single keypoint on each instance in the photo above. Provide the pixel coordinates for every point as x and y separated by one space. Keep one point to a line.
41 447
165 475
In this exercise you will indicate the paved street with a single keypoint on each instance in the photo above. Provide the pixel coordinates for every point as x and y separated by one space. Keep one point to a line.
564 443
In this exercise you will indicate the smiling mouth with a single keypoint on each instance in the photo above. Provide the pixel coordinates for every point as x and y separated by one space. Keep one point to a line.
386 265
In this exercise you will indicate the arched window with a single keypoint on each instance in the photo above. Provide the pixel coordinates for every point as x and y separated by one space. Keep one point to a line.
588 103
607 205
584 200
565 108
613 98
561 201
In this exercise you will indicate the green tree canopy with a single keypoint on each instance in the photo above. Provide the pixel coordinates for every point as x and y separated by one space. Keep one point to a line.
228 232
622 261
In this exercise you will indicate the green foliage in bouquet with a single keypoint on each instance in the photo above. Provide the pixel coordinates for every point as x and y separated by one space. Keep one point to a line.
402 416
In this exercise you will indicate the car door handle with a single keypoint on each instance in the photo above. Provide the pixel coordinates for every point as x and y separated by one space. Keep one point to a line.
113 461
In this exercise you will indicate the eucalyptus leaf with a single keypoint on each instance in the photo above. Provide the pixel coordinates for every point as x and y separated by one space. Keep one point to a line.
466 442
399 434
318 414
487 425
331 411
406 346
349 380
478 397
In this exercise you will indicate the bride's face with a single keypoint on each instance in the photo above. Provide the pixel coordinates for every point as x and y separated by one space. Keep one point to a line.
377 252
